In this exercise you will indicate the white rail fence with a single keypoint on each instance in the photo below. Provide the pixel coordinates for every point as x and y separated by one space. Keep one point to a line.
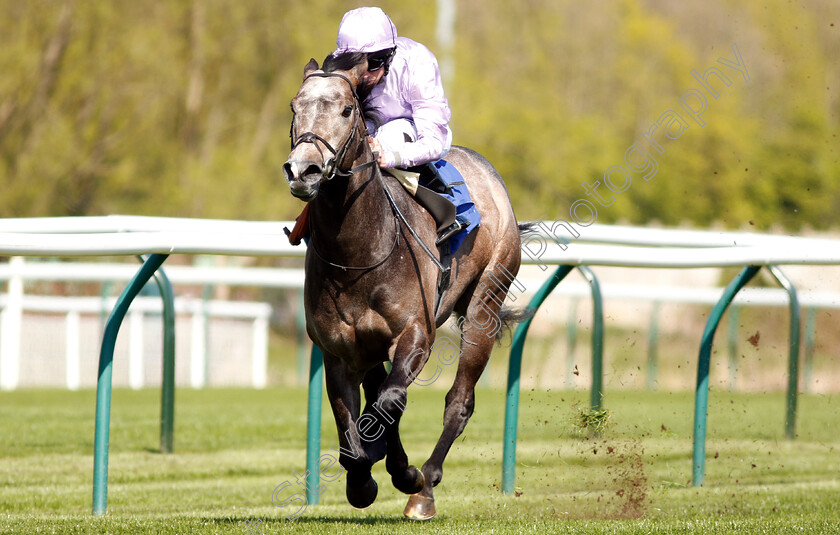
222 343
597 245
215 334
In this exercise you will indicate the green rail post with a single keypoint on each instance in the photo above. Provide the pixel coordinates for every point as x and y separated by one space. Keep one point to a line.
596 396
103 385
571 341
653 347
732 345
105 293
701 397
167 387
300 336
313 425
810 342
514 372
793 346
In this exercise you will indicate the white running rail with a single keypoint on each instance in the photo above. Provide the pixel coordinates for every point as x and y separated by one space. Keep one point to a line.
596 245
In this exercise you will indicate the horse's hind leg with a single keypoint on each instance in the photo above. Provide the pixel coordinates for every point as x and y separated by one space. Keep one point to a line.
478 336
460 401
343 392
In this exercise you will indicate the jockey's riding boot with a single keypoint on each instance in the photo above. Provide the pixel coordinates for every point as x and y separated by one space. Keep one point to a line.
430 177
451 230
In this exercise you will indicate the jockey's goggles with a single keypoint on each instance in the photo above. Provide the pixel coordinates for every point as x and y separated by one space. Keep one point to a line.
377 60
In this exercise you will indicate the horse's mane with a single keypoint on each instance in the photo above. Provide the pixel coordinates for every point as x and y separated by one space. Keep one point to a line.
345 61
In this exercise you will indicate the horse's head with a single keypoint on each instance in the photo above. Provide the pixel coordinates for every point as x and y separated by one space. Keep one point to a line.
328 129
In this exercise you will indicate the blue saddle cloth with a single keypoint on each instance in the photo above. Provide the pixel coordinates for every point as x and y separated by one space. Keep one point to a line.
465 210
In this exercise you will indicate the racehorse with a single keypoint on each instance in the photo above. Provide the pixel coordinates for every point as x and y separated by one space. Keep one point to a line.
371 282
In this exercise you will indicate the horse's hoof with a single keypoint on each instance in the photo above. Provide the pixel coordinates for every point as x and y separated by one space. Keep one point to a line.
361 497
419 507
410 482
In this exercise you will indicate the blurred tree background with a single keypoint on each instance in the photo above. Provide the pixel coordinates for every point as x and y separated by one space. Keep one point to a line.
180 107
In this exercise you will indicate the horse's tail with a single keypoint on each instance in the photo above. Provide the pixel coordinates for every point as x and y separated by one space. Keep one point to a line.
509 317
526 227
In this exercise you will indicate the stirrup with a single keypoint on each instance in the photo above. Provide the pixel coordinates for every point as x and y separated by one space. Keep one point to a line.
450 231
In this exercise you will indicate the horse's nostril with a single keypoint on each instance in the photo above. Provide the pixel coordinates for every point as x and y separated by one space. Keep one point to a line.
292 171
287 171
312 169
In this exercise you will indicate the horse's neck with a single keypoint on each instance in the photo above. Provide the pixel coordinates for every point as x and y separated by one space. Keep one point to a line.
348 215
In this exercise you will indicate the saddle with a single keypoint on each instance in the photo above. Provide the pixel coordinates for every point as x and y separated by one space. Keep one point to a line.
429 193
441 190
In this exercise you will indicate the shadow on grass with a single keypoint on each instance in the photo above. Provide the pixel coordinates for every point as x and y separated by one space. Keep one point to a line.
269 521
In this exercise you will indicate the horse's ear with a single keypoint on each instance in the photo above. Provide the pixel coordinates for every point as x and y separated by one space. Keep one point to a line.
311 67
355 74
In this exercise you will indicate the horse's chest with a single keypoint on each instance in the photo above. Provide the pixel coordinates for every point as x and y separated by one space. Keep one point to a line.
353 325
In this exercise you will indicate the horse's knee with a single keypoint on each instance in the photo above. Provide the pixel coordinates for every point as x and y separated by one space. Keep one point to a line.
372 438
391 404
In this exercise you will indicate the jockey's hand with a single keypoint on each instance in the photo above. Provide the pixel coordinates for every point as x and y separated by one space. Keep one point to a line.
385 160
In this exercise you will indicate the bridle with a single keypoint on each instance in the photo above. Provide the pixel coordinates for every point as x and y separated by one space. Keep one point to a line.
331 170
331 165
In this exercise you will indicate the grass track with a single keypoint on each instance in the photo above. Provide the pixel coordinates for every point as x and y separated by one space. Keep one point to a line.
233 447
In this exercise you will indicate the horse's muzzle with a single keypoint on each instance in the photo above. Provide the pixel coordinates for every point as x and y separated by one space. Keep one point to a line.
303 185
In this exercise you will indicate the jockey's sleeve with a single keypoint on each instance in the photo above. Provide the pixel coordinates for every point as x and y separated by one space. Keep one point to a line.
429 108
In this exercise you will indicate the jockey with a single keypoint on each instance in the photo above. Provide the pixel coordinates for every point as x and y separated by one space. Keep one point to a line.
407 117
406 110
408 114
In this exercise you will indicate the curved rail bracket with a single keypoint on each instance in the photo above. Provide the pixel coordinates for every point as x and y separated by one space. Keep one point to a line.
103 384
701 397
167 388
514 372
313 424
793 347
596 397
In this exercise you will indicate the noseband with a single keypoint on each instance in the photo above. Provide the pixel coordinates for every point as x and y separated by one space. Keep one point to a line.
331 169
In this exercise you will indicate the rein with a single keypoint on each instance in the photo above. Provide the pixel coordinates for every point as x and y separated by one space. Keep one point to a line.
358 268
411 230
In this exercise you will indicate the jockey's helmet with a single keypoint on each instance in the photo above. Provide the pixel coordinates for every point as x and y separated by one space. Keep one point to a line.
366 29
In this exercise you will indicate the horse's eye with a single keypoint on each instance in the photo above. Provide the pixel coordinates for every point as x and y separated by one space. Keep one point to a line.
347 111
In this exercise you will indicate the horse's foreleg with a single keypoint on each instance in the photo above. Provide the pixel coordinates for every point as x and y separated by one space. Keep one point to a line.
374 447
410 355
343 392
372 383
